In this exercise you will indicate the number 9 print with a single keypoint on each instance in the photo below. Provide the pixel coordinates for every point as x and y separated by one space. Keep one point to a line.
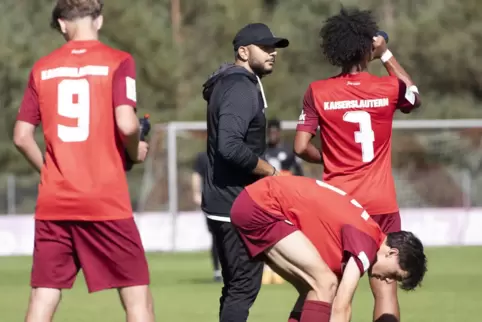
79 110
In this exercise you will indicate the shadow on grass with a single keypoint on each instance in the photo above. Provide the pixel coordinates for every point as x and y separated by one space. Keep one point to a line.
200 280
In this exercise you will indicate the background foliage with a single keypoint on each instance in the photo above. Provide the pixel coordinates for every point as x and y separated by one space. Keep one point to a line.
438 42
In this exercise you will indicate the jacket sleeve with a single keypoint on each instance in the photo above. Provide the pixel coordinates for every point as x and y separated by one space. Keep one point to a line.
237 108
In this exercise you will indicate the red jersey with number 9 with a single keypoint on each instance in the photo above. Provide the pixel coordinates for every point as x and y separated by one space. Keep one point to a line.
355 114
73 93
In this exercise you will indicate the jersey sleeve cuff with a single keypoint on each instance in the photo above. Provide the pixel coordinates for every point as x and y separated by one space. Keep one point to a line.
27 119
306 128
358 262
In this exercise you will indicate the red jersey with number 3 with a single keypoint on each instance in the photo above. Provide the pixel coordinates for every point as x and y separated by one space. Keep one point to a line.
333 221
355 114
73 93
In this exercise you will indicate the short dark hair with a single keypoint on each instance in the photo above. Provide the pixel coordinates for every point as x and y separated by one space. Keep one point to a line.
274 123
347 37
75 9
411 257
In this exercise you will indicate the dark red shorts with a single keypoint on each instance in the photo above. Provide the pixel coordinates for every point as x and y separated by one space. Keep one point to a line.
389 223
259 229
110 254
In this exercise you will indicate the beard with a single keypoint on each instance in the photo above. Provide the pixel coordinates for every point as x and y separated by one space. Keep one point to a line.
260 69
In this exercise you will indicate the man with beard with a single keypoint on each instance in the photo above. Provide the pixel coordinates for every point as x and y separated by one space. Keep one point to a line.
236 127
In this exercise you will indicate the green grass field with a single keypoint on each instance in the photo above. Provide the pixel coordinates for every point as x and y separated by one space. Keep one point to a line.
183 292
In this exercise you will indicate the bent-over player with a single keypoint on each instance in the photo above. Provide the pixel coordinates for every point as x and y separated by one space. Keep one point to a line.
322 241
84 94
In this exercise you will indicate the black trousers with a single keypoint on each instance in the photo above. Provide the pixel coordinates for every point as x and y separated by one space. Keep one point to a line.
214 250
241 275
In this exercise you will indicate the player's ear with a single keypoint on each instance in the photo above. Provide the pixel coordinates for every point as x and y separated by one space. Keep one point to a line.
98 22
243 53
62 26
393 252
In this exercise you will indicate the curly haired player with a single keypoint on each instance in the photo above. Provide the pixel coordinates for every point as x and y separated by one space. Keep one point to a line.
84 95
354 111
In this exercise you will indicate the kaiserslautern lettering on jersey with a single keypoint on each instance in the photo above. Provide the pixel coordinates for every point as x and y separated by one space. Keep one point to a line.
73 92
368 103
355 114
74 72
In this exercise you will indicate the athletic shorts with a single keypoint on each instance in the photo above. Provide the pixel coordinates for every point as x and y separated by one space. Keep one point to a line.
110 254
389 223
258 229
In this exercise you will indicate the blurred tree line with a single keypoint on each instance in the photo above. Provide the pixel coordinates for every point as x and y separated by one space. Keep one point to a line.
178 43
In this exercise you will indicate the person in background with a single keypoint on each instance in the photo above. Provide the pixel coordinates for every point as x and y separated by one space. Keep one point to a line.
197 175
279 155
284 160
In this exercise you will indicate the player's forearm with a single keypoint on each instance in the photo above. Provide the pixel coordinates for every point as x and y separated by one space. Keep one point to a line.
395 69
196 188
237 153
31 151
264 169
309 153
131 144
129 129
197 199
340 314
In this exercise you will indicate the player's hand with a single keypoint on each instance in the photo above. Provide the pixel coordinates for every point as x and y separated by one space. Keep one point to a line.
142 150
379 47
197 199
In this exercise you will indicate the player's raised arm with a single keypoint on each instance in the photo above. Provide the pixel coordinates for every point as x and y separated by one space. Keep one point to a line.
234 120
124 97
341 309
27 120
306 129
409 97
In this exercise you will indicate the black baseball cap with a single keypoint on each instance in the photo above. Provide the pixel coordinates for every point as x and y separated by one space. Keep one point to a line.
258 34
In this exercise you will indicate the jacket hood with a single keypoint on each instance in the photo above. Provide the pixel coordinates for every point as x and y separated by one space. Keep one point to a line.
224 70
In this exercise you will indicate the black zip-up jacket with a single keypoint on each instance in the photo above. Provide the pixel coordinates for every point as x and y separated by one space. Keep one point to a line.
236 128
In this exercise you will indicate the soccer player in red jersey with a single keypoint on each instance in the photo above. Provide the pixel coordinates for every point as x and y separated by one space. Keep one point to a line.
84 95
322 241
354 111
